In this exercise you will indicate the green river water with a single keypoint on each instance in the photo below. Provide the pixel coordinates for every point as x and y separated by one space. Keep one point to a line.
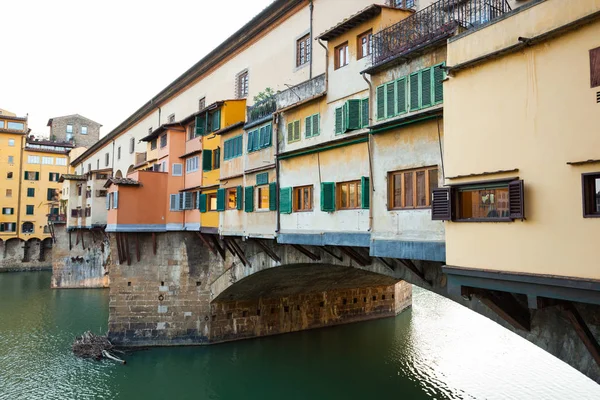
435 350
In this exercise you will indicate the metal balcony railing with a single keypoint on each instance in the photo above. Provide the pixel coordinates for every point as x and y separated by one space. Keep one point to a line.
261 109
57 218
432 23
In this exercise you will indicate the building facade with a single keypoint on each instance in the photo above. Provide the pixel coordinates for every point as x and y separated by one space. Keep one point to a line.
75 129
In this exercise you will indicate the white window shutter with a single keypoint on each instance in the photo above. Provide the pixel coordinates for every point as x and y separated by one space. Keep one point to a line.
116 200
173 202
108 201
198 200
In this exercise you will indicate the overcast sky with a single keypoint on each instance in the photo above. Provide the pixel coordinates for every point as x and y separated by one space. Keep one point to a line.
104 59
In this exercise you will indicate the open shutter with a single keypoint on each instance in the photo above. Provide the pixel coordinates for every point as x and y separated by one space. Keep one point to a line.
108 201
202 207
401 95
365 192
339 123
364 113
239 198
381 102
268 135
290 133
116 200
390 102
414 91
426 87
188 201
273 196
249 199
297 130
285 200
441 204
328 196
181 202
220 199
172 202
197 200
200 124
261 136
516 199
216 121
206 160
438 86
353 114
316 119
37 176
308 126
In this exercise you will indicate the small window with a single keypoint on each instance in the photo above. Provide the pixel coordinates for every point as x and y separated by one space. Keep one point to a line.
119 153
365 44
349 195
30 192
98 164
27 227
63 162
171 118
595 67
263 198
8 211
11 142
84 130
216 158
29 210
106 159
303 198
341 58
303 50
231 198
411 188
202 104
293 131
403 3
69 128
8 192
490 201
591 195
177 170
11 159
9 175
242 85
131 145
192 164
163 141
33 159
211 200
153 144
47 160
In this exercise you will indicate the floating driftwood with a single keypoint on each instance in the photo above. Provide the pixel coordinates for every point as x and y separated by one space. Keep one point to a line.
94 346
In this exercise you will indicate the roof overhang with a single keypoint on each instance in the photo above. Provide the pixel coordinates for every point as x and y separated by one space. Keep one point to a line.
351 22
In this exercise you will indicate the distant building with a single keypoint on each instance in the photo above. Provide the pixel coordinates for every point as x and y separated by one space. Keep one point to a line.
75 128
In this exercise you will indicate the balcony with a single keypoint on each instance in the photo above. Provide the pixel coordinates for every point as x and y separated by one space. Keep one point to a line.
432 24
57 218
301 92
140 158
261 111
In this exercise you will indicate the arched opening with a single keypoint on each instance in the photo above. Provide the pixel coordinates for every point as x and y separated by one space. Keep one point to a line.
130 169
118 174
27 227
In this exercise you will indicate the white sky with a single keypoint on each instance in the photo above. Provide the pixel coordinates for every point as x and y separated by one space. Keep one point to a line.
104 59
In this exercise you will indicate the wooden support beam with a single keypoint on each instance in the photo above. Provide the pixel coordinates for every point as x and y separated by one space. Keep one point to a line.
206 243
504 304
306 252
409 264
154 243
70 244
42 251
118 240
386 263
270 252
354 255
77 237
332 254
82 242
582 330
127 248
239 251
220 250
137 247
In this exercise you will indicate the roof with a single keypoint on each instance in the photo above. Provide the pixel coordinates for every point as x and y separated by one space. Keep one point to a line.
72 116
352 21
72 177
121 182
261 22
50 143
156 133
230 128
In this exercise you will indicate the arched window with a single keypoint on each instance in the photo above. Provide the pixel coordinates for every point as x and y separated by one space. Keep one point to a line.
27 227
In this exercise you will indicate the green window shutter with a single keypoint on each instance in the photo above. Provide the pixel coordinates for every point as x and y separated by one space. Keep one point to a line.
339 124
381 102
25 175
206 160
220 199
297 130
227 152
426 87
285 200
49 194
316 120
308 126
37 176
202 203
353 114
268 135
239 198
200 124
390 103
249 199
438 86
1 227
414 91
216 121
328 196
262 178
290 132
365 192
263 137
50 176
401 95
273 196
364 113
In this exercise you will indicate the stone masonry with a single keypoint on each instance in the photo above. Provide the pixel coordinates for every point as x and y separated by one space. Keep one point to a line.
30 255
58 130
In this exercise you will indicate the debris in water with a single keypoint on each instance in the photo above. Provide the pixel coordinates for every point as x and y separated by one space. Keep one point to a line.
94 346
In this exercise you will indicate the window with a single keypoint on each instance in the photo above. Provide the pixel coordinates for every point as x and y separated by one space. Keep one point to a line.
106 159
32 176
242 85
411 188
11 142
163 141
365 44
341 56
63 161
8 192
17 126
33 159
131 145
48 160
211 199
216 155
171 118
263 198
8 227
51 194
232 198
119 153
98 164
84 130
89 167
262 178
9 175
311 125
260 138
11 159
349 195
591 195
303 198
1 124
29 210
88 211
303 50
153 144
192 164
202 104
352 115
30 192
177 170
53 176
27 227
207 160
486 202
101 193
69 128
404 3
8 211
233 147
293 131
79 190
163 166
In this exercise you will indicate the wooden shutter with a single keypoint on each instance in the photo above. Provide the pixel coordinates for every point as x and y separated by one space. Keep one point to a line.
365 192
227 149
249 199
414 91
239 197
308 126
116 200
262 178
438 86
273 196
380 102
173 202
202 207
595 67
290 133
197 200
390 102
426 87
262 136
315 124
268 135
339 123
37 176
297 130
285 200
108 201
353 114
516 199
220 199
188 201
200 124
328 196
216 120
401 95
441 204
364 113
206 160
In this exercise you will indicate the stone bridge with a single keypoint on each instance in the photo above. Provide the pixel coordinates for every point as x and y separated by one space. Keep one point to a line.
25 255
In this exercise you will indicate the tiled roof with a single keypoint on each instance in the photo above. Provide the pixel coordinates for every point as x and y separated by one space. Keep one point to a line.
121 181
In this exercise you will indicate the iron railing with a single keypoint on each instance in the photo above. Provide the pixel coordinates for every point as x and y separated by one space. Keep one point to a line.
57 218
261 109
432 23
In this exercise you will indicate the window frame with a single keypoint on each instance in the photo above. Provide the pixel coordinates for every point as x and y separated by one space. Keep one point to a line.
295 206
303 50
259 190
84 130
359 51
496 184
235 199
209 197
337 61
586 195
67 130
163 143
391 187
357 193
243 83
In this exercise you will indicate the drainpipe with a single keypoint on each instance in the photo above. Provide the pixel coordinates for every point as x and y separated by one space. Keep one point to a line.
112 162
310 67
326 63
369 148
278 215
21 178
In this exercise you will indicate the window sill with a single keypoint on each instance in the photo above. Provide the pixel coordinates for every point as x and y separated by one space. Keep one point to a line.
303 211
485 220
410 208
591 215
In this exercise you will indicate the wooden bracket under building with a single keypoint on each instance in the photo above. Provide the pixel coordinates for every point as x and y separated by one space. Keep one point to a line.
206 243
385 262
229 247
504 304
238 250
270 252
413 268
356 256
82 242
126 237
219 249
137 247
154 242
70 244
332 254
306 252
582 330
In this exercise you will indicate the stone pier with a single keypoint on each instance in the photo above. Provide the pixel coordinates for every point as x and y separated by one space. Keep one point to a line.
25 255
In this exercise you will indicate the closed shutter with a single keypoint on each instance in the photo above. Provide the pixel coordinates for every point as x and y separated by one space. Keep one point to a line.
217 157
390 99
438 86
173 202
365 192
108 201
285 200
308 127
516 199
239 197
297 130
414 91
197 200
220 199
249 199
426 87
200 124
202 203
261 137
290 133
339 120
181 201
1 227
37 176
116 200
273 196
268 135
364 114
216 120
353 114
177 170
188 201
381 102
262 178
327 196
49 194
206 160
441 204
401 95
